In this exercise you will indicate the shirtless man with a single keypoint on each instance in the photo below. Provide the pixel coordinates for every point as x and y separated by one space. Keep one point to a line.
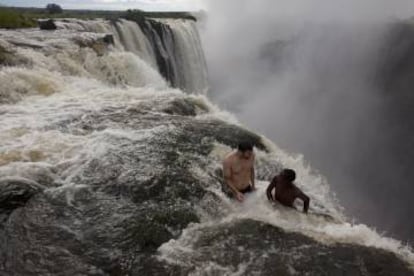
286 192
238 169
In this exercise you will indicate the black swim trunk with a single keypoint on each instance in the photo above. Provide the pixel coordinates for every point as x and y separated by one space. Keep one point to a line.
247 190
229 192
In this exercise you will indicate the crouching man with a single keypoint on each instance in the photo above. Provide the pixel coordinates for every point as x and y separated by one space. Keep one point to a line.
285 191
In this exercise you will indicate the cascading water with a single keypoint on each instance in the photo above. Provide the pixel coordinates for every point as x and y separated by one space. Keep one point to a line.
171 45
107 170
129 35
192 75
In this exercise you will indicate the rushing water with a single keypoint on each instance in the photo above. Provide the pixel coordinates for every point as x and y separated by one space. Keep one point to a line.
129 167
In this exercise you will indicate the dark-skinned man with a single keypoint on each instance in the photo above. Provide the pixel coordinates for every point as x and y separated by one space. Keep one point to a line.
285 191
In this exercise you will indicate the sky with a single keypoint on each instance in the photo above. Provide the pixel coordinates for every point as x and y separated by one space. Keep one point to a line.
187 5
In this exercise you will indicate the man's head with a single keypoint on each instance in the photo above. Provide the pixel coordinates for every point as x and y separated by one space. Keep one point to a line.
288 175
245 149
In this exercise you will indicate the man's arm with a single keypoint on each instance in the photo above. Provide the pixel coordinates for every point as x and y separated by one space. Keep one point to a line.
305 200
252 177
270 188
253 173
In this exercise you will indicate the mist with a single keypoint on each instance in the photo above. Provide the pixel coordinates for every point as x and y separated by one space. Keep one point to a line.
307 74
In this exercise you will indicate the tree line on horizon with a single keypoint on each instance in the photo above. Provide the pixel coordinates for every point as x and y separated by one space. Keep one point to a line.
26 17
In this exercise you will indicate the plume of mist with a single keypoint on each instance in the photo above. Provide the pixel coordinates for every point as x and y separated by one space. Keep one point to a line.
304 74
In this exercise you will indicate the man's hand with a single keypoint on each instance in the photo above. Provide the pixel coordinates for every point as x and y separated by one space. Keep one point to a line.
305 199
239 197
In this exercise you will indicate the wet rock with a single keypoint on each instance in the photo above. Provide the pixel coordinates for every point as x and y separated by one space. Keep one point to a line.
47 24
99 42
190 131
37 172
15 192
124 204
109 39
224 133
264 249
92 234
154 266
184 107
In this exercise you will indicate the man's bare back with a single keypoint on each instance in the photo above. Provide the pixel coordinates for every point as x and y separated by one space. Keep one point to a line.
285 191
238 169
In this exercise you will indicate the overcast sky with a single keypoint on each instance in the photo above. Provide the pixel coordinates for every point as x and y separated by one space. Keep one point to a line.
112 4
285 7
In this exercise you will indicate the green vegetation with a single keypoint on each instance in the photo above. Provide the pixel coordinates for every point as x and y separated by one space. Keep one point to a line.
54 8
27 17
11 17
136 14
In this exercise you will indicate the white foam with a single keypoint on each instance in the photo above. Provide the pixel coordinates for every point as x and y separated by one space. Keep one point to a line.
315 225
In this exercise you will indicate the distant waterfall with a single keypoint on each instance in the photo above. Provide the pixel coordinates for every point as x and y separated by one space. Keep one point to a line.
172 46
189 55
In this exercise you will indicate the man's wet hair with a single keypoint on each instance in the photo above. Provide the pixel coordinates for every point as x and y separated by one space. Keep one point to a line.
289 175
245 146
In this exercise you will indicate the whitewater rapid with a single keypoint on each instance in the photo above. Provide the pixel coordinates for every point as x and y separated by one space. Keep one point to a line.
47 100
324 223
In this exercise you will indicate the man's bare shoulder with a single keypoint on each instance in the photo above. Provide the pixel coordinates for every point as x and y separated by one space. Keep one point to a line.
229 158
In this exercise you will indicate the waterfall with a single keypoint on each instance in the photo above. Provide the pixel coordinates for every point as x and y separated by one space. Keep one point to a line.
133 39
189 55
172 46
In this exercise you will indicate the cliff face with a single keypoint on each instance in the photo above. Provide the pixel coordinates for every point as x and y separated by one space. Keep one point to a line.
107 170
